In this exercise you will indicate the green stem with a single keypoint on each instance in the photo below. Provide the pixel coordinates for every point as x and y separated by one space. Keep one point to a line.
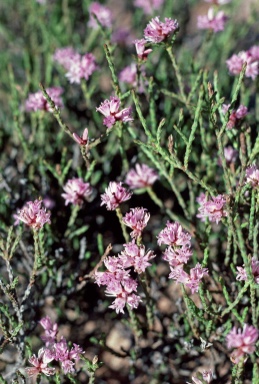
123 226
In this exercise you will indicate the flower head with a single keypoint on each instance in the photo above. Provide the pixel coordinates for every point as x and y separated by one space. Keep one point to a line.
213 209
141 50
102 13
242 275
114 195
252 176
192 280
141 177
81 140
37 101
157 31
111 110
33 215
174 235
51 330
76 191
137 220
243 341
235 116
136 256
129 75
40 363
230 154
213 22
250 57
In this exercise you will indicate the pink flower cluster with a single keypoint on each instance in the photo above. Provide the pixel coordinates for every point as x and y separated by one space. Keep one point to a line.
213 209
242 275
111 110
76 191
102 13
251 57
214 22
114 195
137 220
33 215
243 342
77 66
37 101
53 350
178 253
141 177
157 31
148 6
236 115
252 176
117 278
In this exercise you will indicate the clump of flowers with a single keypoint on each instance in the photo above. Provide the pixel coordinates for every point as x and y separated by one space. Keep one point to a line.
54 350
141 50
137 220
215 22
252 176
178 254
78 66
157 31
148 6
250 57
141 177
243 342
135 256
76 190
33 215
111 110
242 275
102 13
114 195
37 101
213 209
236 115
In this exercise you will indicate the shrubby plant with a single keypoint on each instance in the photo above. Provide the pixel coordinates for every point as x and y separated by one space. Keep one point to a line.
129 192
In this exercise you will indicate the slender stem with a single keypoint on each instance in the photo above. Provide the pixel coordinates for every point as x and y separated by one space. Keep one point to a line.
123 226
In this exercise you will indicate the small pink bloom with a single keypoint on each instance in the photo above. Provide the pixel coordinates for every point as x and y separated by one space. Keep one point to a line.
136 256
40 363
66 56
76 191
252 176
124 295
250 57
137 220
111 110
37 102
129 75
114 274
213 22
174 235
177 256
141 50
81 140
230 154
114 195
192 280
141 177
102 13
33 215
157 31
235 116
243 342
149 6
51 330
255 271
213 209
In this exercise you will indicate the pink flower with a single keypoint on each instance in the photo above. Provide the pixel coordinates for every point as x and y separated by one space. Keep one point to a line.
243 342
137 220
157 31
129 75
114 274
141 177
255 271
114 195
66 56
213 22
110 109
124 295
40 363
174 235
213 209
230 154
192 280
65 356
177 256
51 330
103 14
142 52
149 6
252 176
37 102
136 256
33 215
235 116
76 191
81 140
235 62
